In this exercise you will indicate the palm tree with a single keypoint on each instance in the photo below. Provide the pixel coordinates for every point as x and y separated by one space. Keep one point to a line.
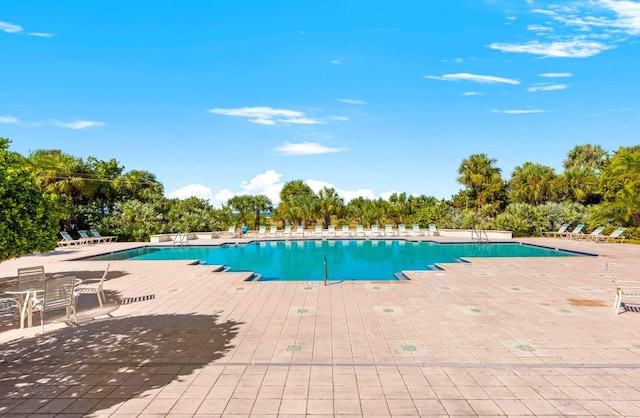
243 204
588 157
621 184
260 203
533 183
290 197
330 204
356 208
65 178
305 208
482 179
579 185
400 206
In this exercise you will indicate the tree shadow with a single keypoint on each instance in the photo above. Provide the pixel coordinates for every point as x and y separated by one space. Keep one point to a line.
104 362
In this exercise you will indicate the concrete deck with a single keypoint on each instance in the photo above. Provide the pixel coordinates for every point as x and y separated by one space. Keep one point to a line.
497 337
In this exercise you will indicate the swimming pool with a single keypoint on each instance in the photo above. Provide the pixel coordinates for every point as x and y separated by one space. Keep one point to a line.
345 259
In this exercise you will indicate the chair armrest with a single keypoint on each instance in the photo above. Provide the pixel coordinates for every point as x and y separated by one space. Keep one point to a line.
88 281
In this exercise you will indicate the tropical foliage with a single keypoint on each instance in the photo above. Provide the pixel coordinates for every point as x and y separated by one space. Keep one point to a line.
49 191
28 220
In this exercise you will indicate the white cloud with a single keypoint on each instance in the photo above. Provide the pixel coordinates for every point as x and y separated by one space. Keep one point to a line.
483 79
352 101
539 28
197 190
41 34
472 93
303 121
347 195
339 118
13 28
336 62
269 184
10 27
8 119
567 49
306 148
578 29
79 124
265 115
518 111
546 87
556 75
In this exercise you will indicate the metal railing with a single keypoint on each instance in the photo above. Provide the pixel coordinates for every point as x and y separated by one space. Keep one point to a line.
479 235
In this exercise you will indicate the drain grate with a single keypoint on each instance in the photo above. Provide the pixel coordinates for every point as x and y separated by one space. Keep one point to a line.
127 301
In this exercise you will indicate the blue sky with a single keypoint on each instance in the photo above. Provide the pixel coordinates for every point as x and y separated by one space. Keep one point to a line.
224 97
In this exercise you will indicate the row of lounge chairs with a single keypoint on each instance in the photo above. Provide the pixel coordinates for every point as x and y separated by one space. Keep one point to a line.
85 238
596 235
344 231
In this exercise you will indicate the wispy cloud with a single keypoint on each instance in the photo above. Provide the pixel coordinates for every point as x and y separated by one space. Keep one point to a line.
41 34
10 27
578 29
556 75
546 87
306 148
16 29
339 118
472 93
352 101
79 124
264 115
336 62
483 79
568 49
518 111
8 119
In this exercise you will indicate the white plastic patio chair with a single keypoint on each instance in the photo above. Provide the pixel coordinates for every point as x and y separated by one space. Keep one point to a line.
94 286
58 293
624 289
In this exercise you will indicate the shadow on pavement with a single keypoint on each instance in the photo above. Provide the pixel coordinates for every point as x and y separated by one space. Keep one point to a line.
99 364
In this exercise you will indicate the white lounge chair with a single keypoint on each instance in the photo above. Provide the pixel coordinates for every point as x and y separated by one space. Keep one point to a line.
108 238
624 289
402 230
299 231
374 230
616 236
331 231
433 230
576 233
287 231
345 231
262 231
388 230
273 231
68 240
59 292
94 286
415 230
594 234
359 230
557 233
317 232
89 240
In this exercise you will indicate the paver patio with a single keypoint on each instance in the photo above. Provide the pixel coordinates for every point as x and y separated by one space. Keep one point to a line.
496 337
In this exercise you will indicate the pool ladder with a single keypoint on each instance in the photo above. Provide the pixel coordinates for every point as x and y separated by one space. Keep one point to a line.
479 235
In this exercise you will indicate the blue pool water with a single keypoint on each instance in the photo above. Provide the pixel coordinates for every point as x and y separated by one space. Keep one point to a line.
346 260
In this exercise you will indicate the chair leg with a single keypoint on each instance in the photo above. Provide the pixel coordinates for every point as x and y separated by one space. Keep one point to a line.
100 297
